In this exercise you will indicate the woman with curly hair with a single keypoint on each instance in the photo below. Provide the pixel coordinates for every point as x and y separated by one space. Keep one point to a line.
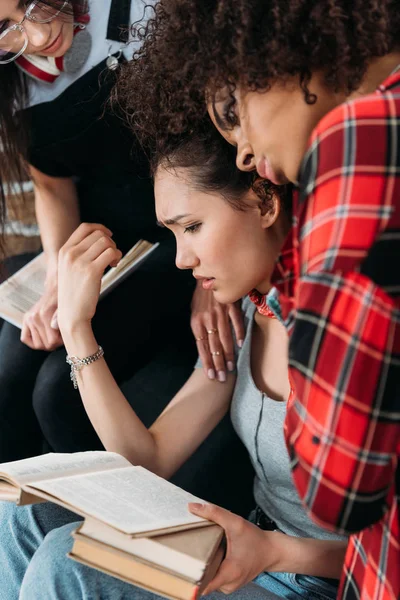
309 92
224 223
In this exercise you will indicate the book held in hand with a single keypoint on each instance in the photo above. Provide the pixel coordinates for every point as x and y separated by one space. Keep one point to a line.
20 292
136 526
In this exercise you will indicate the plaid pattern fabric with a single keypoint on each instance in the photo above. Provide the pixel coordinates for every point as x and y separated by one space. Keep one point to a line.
343 428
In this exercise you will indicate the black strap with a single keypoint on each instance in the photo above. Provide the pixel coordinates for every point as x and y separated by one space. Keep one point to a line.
118 21
263 521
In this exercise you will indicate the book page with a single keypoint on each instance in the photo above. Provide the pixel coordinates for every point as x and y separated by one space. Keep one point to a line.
127 265
8 492
132 500
53 466
22 290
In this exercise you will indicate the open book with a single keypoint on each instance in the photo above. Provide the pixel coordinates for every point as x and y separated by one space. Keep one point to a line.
136 526
23 289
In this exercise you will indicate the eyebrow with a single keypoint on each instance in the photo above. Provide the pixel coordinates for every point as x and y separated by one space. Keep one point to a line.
172 221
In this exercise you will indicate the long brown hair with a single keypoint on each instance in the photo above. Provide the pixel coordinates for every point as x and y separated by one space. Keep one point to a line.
14 128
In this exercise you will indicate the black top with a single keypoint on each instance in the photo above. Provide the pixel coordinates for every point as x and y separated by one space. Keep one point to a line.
79 135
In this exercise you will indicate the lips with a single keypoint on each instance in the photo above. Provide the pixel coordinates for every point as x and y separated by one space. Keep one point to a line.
55 44
206 282
265 171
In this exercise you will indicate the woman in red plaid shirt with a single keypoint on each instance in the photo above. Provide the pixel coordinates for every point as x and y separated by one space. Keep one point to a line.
309 92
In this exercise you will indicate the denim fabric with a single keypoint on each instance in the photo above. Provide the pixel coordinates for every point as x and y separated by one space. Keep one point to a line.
34 542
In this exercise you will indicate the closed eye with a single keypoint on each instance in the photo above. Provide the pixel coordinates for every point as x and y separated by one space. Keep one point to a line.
192 228
229 113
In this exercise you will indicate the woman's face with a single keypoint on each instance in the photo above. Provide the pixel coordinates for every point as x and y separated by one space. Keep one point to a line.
231 251
51 39
271 129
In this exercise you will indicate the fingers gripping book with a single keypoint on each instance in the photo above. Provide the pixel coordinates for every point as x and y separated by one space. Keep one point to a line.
23 290
136 526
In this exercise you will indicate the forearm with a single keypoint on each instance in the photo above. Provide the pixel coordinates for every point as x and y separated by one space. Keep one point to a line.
307 556
57 212
114 420
193 412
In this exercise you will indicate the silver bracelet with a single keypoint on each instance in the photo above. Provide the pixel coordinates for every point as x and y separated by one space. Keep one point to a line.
77 364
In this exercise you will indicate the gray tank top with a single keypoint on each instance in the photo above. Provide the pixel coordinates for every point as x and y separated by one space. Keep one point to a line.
258 421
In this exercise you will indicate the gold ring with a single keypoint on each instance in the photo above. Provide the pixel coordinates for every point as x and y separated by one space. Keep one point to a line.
200 339
216 353
210 331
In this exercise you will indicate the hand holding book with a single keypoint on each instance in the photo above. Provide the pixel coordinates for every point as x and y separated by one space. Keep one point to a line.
136 526
38 332
21 292
249 552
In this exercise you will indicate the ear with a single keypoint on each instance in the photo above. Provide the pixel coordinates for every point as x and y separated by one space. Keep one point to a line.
270 210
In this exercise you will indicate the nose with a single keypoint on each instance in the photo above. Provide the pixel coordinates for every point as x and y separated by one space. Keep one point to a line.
185 256
245 160
38 34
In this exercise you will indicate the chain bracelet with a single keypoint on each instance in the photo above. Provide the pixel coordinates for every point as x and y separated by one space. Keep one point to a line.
77 363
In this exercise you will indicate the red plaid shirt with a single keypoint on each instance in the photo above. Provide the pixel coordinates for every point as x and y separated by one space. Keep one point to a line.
339 278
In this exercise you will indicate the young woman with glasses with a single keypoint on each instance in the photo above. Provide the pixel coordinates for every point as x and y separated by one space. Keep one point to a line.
16 37
85 165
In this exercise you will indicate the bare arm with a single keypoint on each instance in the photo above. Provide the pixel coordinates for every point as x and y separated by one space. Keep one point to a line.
319 558
57 212
188 419
193 413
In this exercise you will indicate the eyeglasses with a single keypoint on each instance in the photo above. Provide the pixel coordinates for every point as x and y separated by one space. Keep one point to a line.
14 40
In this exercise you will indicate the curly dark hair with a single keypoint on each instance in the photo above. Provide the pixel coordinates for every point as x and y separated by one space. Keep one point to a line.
193 46
209 162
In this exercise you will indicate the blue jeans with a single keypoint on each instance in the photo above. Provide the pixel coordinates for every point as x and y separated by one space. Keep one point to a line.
34 541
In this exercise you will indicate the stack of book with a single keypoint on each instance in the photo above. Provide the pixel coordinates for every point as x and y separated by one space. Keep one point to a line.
136 526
